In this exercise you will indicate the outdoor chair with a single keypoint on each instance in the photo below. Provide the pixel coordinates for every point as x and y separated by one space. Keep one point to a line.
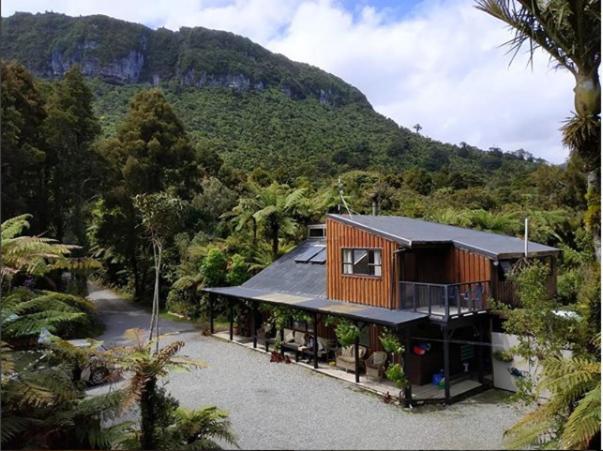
375 365
263 334
294 341
345 359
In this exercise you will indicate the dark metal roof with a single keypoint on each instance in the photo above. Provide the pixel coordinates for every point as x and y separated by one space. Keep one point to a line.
358 312
288 276
414 232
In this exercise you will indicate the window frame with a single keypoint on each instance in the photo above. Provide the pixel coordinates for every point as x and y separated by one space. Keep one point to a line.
351 264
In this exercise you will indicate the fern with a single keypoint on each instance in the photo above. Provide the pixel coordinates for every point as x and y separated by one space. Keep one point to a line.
572 415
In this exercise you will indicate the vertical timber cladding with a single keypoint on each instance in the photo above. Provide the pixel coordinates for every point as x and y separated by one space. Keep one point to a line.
467 266
370 290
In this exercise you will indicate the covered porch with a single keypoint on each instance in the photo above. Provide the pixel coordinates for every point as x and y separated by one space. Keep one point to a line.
407 325
426 393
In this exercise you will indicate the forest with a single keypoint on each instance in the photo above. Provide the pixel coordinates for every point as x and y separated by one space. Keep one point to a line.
160 191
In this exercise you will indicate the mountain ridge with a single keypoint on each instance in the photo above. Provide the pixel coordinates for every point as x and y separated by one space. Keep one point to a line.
191 56
251 106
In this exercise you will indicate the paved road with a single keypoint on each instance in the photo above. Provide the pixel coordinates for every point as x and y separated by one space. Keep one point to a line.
119 315
276 406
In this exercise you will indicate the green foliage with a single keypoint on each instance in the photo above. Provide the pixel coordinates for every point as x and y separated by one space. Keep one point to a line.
503 356
29 254
43 407
237 272
541 330
26 313
72 167
395 374
346 332
23 152
571 417
391 343
163 425
214 268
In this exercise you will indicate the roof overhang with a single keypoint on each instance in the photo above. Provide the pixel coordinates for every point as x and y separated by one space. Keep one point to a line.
456 243
348 310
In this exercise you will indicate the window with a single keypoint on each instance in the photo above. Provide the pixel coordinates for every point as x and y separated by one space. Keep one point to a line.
362 261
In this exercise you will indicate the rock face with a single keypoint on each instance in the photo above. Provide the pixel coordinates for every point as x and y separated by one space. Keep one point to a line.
122 70
122 52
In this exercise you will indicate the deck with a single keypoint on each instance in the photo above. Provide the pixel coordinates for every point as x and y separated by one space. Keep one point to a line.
419 392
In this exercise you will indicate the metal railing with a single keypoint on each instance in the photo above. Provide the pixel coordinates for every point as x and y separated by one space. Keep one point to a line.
445 300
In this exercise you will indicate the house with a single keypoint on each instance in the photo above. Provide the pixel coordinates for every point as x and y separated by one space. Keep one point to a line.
430 283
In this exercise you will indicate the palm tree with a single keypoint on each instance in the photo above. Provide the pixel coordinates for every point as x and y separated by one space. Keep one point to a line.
242 215
570 32
571 417
276 207
163 425
417 128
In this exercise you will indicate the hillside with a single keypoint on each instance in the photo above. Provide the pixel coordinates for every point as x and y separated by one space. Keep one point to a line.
254 107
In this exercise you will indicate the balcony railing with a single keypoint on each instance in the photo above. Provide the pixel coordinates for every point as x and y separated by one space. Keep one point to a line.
445 300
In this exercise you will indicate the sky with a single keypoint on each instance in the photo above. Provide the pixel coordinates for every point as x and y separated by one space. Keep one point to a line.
439 63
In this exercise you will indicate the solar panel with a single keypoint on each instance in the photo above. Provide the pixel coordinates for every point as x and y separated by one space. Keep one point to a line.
306 255
321 257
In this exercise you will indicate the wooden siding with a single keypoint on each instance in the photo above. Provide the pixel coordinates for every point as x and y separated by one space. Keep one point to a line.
437 264
444 265
371 290
466 266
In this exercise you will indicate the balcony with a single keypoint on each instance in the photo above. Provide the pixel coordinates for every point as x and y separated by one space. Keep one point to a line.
445 300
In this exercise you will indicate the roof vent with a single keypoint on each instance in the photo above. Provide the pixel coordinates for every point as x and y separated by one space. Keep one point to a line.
317 231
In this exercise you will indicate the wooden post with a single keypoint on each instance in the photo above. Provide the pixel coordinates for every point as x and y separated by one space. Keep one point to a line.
266 339
356 358
407 350
315 344
231 317
212 298
254 328
446 304
480 353
446 364
282 332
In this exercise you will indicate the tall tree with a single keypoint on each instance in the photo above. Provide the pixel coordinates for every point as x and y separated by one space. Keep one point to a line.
72 165
152 150
160 216
23 153
570 32
150 153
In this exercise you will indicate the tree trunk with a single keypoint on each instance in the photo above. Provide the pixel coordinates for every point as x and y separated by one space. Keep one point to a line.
587 101
154 327
275 229
255 232
593 204
587 94
148 415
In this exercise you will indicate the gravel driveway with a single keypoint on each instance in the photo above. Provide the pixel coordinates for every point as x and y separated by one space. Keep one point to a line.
276 406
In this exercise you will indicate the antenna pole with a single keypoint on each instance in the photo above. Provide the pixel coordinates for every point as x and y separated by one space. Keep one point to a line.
525 238
345 204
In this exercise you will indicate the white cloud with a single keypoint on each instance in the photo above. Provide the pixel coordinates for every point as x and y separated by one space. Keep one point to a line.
440 64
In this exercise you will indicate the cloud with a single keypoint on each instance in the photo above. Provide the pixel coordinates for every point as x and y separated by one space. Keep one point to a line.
437 62
442 67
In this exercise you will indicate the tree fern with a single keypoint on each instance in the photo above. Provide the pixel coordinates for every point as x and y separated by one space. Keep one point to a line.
571 417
